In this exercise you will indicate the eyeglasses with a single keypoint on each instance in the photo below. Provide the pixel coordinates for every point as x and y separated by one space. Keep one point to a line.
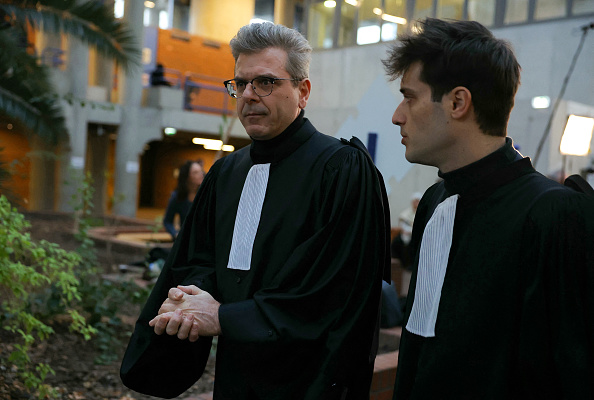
261 85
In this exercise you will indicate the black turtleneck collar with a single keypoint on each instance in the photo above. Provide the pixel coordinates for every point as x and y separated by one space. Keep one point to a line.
469 176
277 148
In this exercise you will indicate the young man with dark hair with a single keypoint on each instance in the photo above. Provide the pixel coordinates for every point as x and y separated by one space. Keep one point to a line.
501 302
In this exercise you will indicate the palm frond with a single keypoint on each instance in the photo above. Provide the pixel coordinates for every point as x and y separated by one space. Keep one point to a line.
91 22
41 115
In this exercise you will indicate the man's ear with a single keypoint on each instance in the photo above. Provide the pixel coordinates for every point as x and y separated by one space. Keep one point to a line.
304 90
460 102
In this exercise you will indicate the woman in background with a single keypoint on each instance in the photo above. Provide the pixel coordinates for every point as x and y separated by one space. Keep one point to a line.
189 180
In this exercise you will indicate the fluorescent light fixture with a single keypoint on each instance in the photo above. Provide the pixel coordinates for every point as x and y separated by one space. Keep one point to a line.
577 136
352 2
330 3
541 102
170 131
394 19
377 11
213 144
149 4
207 142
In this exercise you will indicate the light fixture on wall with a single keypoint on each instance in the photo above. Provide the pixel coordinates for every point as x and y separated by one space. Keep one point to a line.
330 4
539 102
577 136
213 144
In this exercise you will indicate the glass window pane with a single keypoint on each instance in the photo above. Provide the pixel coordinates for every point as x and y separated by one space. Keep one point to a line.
450 9
319 27
394 19
423 8
582 7
482 11
516 12
546 9
369 21
347 35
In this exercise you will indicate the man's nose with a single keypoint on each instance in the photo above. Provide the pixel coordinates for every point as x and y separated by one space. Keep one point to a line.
249 94
398 118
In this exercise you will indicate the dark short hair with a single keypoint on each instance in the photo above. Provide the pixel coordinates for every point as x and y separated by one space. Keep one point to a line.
462 53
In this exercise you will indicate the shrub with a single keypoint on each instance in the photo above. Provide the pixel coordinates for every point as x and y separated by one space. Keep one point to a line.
26 270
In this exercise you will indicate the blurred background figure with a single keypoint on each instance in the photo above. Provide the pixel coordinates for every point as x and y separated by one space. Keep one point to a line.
399 247
158 77
189 179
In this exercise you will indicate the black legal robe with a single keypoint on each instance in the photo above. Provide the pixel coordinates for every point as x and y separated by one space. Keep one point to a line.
301 323
516 314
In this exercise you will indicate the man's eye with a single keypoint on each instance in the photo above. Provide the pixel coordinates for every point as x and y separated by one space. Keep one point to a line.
265 82
240 84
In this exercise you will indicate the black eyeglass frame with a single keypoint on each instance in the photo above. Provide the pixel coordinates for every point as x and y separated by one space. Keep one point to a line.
273 80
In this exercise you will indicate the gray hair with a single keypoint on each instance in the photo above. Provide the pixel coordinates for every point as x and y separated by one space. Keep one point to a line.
256 37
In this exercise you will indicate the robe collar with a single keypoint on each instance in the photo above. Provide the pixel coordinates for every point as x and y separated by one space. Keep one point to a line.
278 148
479 173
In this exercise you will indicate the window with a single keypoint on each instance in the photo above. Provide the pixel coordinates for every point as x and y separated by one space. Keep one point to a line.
482 11
516 11
347 35
369 30
320 22
582 7
452 9
423 8
546 9
394 20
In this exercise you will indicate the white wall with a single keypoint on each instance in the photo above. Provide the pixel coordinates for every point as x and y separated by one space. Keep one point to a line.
351 96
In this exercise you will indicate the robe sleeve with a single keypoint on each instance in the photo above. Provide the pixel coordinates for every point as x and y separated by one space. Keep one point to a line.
331 283
557 334
165 366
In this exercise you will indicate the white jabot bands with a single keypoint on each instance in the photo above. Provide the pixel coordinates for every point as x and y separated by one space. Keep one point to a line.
433 262
248 217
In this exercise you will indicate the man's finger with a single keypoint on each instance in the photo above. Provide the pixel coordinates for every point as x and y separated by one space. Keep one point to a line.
160 323
193 336
174 323
175 294
190 289
185 327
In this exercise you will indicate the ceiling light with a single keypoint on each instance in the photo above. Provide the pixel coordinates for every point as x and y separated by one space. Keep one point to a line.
394 19
377 11
330 3
149 4
541 102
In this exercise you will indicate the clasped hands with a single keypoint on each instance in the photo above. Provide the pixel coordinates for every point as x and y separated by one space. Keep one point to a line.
189 313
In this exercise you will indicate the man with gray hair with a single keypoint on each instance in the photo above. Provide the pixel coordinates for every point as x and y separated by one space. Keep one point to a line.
281 256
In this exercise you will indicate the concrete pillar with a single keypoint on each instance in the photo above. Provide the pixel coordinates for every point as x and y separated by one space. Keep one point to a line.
42 181
72 156
127 157
97 164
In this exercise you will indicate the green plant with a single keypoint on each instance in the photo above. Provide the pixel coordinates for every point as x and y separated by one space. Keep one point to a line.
26 270
101 299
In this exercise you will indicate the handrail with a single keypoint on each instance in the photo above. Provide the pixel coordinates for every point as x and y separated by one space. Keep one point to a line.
205 96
